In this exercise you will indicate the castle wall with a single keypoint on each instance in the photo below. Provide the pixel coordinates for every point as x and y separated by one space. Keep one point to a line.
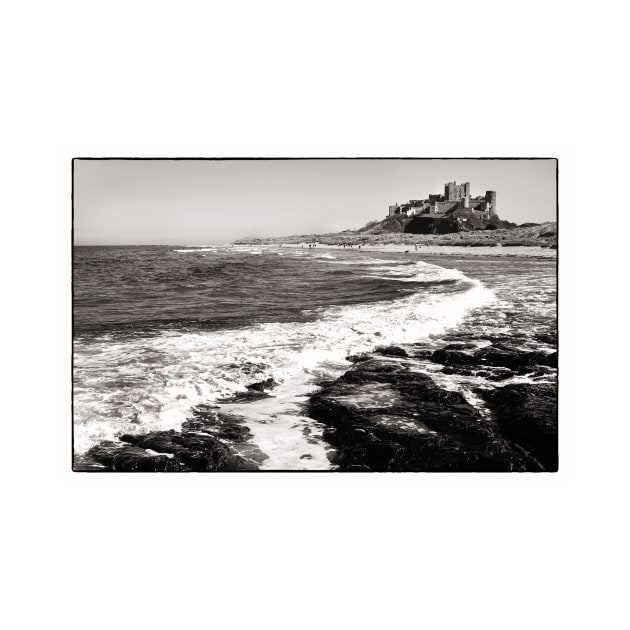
475 213
456 199
445 206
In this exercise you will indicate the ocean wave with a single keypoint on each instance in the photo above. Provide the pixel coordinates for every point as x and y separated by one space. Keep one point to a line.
421 272
199 249
143 384
369 261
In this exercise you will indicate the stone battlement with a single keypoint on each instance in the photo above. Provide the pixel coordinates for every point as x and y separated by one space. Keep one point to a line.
456 202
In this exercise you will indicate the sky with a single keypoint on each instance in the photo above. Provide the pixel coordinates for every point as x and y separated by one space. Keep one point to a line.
196 202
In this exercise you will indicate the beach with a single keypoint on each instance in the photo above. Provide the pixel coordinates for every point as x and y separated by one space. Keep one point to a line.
423 249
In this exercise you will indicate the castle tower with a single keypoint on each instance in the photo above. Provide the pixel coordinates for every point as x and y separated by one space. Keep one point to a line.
491 198
456 192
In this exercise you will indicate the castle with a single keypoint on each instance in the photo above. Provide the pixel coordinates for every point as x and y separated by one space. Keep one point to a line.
455 203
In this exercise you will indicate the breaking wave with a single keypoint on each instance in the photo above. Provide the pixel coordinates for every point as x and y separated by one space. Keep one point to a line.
144 383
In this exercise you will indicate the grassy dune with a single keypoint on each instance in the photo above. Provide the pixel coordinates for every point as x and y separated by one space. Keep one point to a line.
543 235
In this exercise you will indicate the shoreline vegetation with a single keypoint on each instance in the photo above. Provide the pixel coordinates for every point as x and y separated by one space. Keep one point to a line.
543 235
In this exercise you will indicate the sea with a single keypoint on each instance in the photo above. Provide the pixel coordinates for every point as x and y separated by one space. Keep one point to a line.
160 330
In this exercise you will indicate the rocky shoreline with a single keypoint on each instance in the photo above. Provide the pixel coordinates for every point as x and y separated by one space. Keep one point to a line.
209 441
543 235
384 414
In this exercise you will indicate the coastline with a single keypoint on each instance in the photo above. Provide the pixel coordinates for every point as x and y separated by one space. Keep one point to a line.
528 251
387 413
543 237
479 398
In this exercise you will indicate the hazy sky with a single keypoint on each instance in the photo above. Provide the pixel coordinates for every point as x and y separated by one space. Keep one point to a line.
195 202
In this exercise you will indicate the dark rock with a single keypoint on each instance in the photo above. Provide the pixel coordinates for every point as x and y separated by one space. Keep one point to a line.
548 338
381 416
244 397
120 457
247 367
262 385
497 357
528 416
229 428
209 440
255 391
421 352
448 356
196 451
391 351
518 360
224 426
460 345
356 358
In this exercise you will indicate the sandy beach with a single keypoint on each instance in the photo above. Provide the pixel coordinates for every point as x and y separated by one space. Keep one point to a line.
444 250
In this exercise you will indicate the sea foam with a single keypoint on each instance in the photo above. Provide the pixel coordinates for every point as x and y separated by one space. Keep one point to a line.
152 383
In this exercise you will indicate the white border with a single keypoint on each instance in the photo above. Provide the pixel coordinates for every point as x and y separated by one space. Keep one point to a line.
310 551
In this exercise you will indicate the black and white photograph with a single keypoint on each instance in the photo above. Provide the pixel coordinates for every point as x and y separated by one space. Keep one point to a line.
314 315
364 315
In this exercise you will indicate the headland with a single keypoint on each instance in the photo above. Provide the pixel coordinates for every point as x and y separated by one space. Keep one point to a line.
452 219
539 236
